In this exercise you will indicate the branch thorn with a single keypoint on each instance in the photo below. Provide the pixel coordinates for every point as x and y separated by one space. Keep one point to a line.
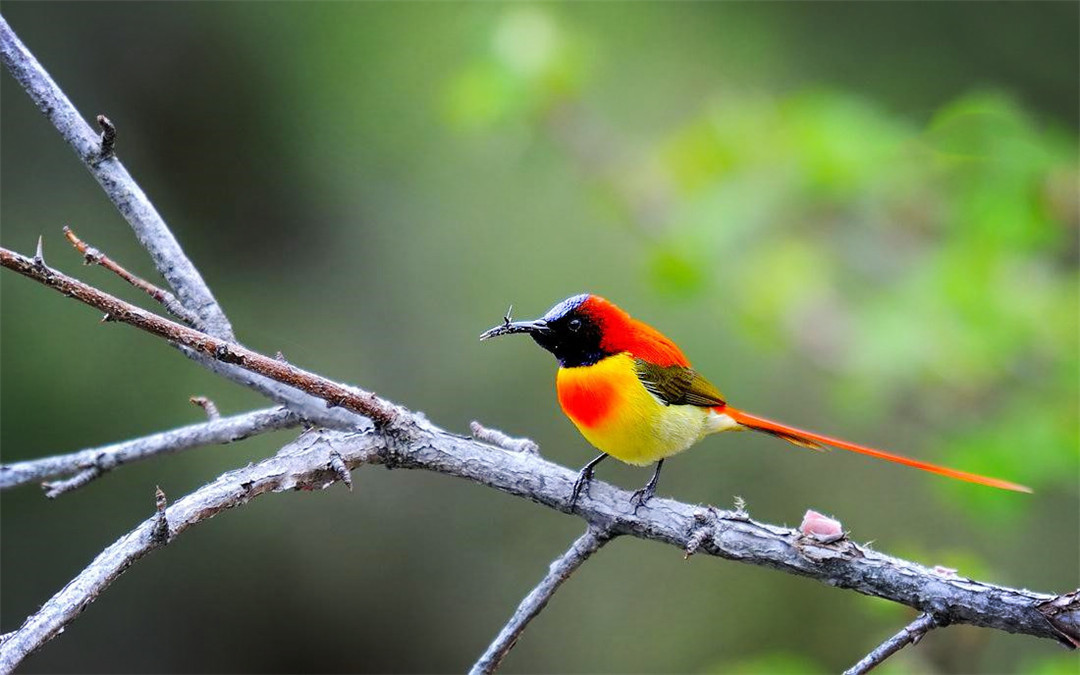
337 463
108 137
39 254
160 535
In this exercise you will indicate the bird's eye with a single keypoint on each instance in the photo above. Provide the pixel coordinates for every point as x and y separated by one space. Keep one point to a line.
574 325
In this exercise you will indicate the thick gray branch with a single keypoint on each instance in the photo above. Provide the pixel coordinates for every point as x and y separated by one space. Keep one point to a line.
223 430
309 462
559 571
118 184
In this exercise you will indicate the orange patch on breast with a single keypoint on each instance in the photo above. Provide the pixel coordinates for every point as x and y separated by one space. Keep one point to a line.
586 398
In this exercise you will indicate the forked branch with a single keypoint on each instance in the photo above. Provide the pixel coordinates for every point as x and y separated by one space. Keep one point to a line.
92 256
115 180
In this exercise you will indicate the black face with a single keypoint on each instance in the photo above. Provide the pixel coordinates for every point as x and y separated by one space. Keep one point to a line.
566 331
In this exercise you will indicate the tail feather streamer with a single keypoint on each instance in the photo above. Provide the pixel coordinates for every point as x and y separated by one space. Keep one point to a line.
809 439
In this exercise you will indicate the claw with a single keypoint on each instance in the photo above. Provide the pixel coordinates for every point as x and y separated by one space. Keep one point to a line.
643 495
582 482
646 493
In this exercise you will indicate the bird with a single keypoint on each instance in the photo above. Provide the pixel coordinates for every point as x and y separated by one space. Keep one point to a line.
634 396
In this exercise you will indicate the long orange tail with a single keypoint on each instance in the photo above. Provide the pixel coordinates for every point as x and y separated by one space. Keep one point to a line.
809 439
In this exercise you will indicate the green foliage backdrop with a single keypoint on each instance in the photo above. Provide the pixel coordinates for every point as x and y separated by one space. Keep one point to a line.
859 218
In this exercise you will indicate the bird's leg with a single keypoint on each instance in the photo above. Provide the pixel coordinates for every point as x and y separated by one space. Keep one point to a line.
646 493
584 477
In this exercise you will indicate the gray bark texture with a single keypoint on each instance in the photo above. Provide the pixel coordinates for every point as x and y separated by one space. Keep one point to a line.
308 463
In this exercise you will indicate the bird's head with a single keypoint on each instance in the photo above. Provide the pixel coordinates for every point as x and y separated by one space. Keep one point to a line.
577 331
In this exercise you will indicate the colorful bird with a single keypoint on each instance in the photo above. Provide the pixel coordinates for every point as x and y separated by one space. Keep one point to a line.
632 393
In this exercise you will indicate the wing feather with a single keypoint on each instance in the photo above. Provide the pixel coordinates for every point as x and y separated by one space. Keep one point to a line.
677 385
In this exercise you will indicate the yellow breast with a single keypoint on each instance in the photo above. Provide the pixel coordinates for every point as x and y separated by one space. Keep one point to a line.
614 411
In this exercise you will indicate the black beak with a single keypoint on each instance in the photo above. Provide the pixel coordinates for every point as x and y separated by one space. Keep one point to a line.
508 327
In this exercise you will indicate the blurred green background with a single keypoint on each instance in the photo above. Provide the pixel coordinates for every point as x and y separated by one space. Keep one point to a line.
859 218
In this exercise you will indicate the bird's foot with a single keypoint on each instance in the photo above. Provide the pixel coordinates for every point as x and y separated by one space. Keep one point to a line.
643 495
646 493
580 485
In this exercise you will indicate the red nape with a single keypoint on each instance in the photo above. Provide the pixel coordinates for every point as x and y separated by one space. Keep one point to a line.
622 333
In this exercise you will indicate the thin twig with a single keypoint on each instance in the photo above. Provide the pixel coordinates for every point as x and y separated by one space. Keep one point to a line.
307 463
910 634
365 403
558 572
92 256
54 489
118 184
100 460
208 406
501 440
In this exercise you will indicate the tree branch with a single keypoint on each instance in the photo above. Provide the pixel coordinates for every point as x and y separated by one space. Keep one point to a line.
96 461
150 229
909 634
364 403
308 463
411 442
118 184
558 572
92 256
294 467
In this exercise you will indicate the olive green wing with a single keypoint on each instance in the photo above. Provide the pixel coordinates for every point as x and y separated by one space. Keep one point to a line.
677 385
